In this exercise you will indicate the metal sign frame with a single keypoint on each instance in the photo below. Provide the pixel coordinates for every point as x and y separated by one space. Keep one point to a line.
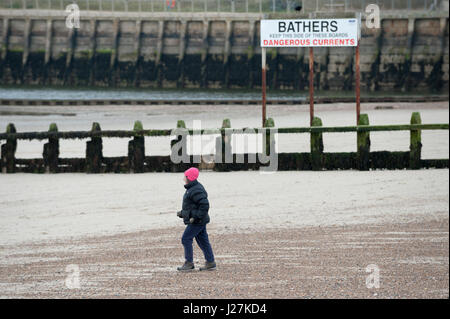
311 78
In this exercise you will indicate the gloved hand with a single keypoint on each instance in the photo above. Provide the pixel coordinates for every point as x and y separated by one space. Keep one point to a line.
183 214
192 220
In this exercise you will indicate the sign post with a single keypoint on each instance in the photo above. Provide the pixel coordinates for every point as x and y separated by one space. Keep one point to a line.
311 85
310 33
357 85
263 83
358 73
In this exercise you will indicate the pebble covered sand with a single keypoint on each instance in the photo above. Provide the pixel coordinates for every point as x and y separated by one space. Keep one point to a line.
304 235
311 262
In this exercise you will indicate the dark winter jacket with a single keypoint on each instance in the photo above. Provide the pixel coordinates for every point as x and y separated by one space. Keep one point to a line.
195 204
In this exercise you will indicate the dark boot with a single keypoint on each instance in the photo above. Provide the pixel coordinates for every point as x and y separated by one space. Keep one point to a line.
209 266
188 266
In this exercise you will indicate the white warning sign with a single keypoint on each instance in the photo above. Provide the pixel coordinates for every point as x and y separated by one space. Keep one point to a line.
309 33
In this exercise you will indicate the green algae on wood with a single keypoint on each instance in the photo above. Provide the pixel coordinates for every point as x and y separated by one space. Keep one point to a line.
226 123
363 145
415 143
167 132
181 124
138 126
316 146
269 136
269 122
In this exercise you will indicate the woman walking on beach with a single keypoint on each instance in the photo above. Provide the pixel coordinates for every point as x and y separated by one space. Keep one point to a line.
195 215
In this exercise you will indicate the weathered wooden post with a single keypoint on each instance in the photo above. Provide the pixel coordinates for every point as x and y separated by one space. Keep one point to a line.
136 150
94 151
363 144
51 152
180 124
8 151
415 143
223 143
270 142
316 146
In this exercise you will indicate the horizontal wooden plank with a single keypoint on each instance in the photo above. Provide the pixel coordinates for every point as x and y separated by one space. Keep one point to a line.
168 132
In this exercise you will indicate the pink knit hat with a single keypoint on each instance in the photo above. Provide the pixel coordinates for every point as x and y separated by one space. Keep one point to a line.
191 173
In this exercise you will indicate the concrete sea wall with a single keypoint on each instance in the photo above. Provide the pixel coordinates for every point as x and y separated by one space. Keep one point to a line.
212 50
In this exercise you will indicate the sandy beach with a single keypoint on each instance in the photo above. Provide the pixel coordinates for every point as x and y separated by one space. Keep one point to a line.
292 234
308 262
283 235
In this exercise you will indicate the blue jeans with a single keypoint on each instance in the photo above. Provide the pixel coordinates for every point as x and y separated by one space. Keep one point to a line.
201 236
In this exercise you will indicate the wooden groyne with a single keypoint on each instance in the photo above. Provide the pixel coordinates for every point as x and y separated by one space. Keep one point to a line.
137 162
